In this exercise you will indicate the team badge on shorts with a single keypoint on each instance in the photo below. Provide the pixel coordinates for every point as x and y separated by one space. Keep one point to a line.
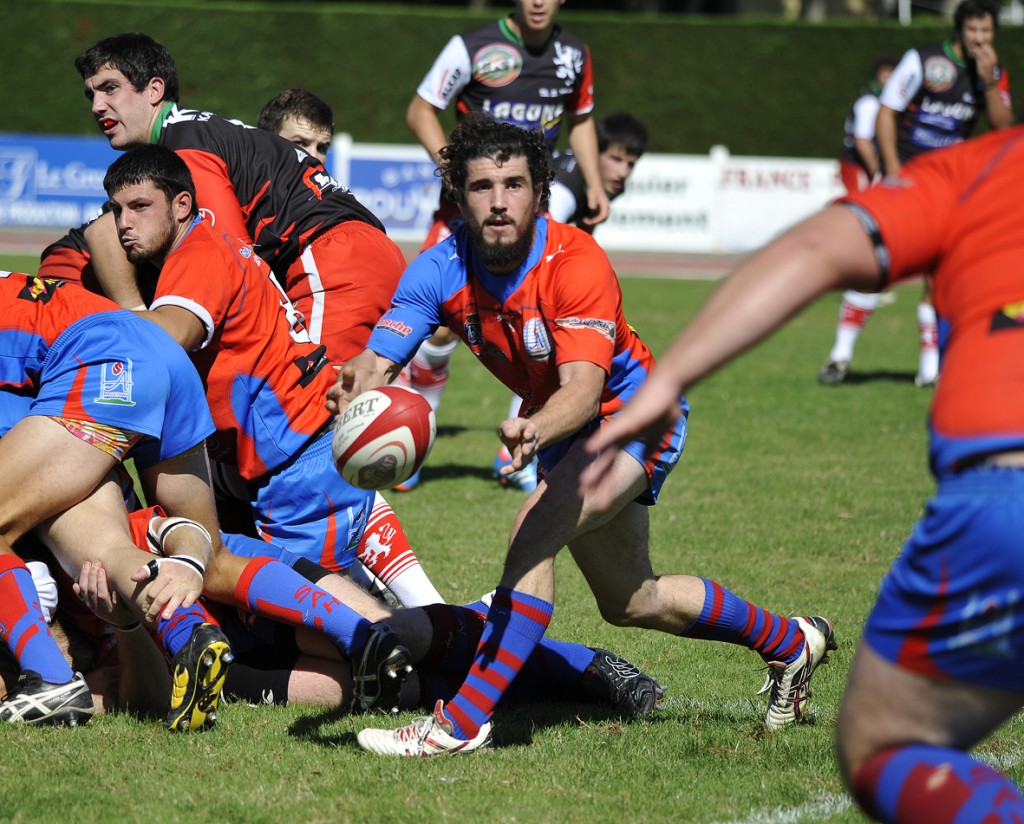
116 384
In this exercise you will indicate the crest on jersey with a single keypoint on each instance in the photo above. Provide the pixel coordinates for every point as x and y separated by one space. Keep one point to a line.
536 340
497 64
116 383
474 333
939 73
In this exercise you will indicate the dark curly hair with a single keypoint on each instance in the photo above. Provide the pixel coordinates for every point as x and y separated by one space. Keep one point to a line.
482 136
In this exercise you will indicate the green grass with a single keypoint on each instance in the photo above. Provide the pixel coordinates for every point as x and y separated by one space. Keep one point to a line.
793 495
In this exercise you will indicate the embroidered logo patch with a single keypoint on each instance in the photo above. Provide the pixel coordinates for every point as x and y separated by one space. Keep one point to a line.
116 384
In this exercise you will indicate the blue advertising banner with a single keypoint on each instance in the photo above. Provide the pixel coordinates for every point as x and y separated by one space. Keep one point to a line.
397 183
52 180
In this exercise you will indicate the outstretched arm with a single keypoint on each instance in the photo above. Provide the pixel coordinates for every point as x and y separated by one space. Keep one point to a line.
827 251
365 371
574 405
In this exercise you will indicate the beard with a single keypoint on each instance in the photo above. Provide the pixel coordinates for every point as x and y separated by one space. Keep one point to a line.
501 257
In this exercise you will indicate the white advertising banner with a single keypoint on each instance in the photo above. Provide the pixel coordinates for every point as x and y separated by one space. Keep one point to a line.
714 203
668 206
759 197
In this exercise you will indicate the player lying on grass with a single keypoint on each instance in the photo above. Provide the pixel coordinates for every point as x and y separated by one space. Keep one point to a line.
216 299
941 663
103 391
538 303
278 664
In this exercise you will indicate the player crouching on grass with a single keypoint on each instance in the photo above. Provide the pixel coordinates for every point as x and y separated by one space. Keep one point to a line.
539 305
216 299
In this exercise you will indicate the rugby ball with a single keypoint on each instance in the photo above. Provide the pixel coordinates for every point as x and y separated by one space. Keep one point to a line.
383 437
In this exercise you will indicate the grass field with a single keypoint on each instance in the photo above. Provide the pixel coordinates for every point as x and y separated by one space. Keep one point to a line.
793 495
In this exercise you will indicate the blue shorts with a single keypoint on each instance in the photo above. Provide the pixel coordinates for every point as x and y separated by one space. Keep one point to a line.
120 370
305 509
950 607
657 466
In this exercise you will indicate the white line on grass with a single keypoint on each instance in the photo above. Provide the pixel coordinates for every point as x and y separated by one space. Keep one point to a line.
819 809
831 805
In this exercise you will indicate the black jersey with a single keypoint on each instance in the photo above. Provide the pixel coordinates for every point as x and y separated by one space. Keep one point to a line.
491 70
940 96
258 186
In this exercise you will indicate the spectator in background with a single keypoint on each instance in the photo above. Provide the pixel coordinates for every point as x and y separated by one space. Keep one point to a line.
860 166
301 118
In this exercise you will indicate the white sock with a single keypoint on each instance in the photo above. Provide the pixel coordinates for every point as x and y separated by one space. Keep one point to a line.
928 326
428 370
853 314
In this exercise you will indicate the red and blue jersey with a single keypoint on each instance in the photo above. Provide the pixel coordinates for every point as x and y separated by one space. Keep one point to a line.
957 213
265 382
562 305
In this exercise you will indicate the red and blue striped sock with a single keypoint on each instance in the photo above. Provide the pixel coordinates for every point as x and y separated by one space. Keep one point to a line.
175 631
515 624
270 588
23 627
937 785
727 617
553 670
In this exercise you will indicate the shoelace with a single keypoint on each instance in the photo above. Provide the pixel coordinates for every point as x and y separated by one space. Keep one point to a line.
799 689
416 731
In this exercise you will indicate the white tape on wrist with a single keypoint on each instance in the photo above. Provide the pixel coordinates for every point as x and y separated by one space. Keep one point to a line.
156 537
153 567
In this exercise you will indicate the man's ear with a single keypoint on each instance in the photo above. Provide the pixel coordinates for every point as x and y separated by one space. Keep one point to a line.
181 205
155 90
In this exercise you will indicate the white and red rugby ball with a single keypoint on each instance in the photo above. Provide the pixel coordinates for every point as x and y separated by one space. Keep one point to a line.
383 437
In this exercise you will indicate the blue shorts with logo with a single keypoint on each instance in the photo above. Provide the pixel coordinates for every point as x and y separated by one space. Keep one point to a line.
657 466
952 606
123 371
305 509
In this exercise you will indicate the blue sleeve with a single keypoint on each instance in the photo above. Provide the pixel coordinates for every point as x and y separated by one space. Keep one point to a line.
415 311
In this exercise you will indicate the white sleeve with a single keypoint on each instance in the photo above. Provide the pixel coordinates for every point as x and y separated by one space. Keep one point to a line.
904 82
196 308
449 75
561 203
865 113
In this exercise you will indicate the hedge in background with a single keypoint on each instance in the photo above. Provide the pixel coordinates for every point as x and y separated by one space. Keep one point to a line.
761 87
